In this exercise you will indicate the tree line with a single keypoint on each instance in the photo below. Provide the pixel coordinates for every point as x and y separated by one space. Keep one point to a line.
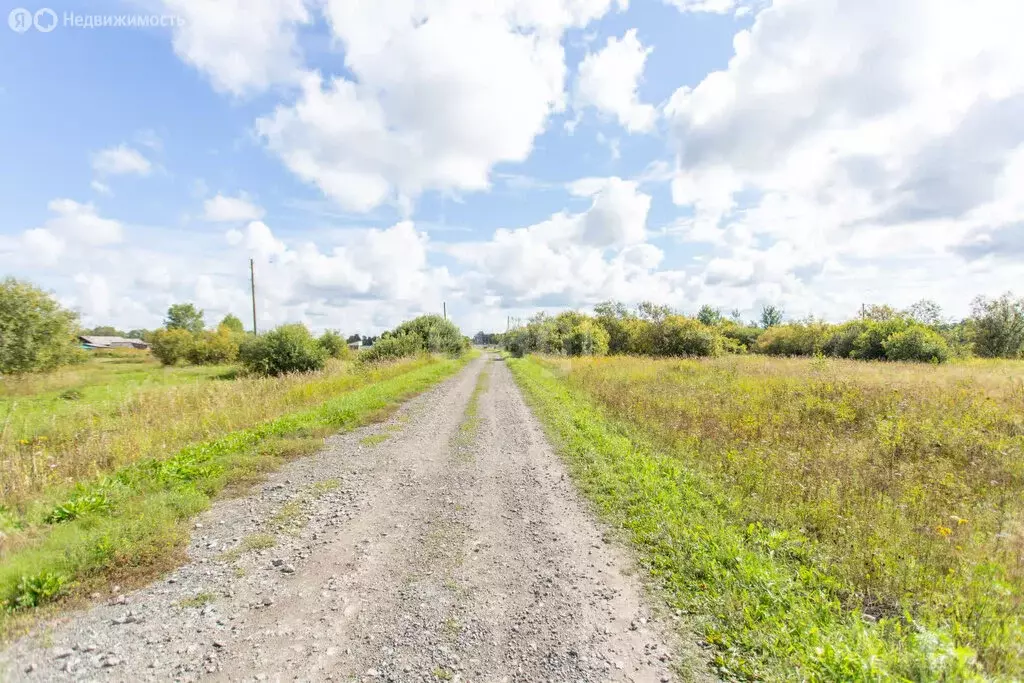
37 334
994 329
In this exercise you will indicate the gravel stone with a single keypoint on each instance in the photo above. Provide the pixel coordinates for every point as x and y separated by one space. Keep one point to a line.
436 553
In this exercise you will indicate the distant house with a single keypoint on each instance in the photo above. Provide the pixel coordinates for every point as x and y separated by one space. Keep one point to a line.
355 346
90 341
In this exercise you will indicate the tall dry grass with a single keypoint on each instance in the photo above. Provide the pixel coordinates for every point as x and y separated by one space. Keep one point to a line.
97 437
907 478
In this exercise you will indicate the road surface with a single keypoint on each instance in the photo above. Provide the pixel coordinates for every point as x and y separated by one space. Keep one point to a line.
435 546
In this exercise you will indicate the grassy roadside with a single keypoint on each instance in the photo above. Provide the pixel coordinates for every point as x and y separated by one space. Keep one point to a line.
166 409
38 404
766 598
132 524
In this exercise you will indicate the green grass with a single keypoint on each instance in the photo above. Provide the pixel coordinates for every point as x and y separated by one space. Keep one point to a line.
470 424
806 514
45 464
373 439
251 543
289 515
198 600
140 526
33 403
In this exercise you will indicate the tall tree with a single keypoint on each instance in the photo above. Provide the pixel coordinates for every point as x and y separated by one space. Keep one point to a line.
232 323
185 317
926 312
104 331
771 316
709 315
36 333
998 326
652 312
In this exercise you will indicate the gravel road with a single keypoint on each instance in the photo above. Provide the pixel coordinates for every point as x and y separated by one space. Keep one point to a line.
433 547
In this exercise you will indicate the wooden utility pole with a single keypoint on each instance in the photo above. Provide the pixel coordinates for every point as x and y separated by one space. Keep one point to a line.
444 309
252 282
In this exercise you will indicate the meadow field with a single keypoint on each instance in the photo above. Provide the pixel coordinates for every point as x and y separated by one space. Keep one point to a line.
102 464
814 519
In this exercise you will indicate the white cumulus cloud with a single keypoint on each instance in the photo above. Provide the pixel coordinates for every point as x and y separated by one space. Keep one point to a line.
608 81
441 91
244 46
121 160
225 209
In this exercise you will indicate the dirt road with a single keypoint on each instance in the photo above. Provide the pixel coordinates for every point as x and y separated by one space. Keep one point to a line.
436 546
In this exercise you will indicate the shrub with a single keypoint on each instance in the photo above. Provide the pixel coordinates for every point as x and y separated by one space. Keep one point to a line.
998 326
917 343
285 349
611 316
681 336
793 339
36 333
742 335
840 339
587 338
212 348
870 343
640 338
333 344
392 347
172 346
437 335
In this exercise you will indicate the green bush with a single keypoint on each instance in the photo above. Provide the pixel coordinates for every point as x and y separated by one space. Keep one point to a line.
587 338
333 344
285 349
998 326
172 346
743 335
839 342
392 347
792 339
680 336
436 334
36 333
870 343
917 343
611 315
640 336
213 348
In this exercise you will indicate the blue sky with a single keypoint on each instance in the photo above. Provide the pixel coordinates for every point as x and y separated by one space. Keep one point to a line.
377 159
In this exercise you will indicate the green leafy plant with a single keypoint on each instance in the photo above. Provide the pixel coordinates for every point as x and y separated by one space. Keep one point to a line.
37 589
333 344
78 506
36 333
917 343
285 349
172 346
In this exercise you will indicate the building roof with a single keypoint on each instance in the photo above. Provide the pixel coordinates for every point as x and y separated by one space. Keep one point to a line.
101 342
